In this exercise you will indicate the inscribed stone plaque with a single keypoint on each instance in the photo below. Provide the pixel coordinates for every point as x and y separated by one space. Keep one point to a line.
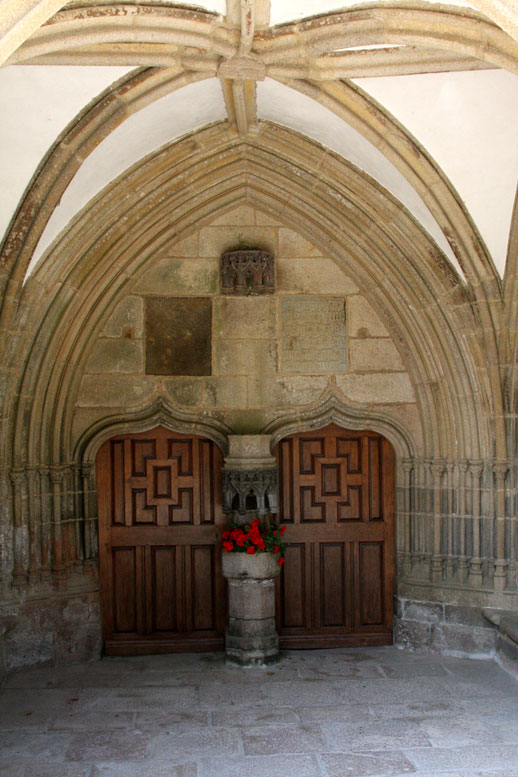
313 335
178 336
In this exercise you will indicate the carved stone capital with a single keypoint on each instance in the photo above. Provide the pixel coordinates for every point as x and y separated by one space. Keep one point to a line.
476 468
57 474
463 467
86 470
500 468
438 467
407 465
18 477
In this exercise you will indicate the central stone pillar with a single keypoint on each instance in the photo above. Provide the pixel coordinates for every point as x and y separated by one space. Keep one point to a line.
250 637
250 491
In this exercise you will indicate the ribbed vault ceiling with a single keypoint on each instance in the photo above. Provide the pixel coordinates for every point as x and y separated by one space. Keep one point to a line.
431 84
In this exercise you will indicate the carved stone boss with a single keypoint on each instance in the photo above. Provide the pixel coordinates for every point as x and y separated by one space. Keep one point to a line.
247 272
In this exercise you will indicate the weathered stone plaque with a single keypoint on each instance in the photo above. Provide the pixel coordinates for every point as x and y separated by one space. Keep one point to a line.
178 336
247 272
313 335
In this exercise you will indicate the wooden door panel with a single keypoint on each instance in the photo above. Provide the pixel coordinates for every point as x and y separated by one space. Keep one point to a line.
370 575
160 518
337 502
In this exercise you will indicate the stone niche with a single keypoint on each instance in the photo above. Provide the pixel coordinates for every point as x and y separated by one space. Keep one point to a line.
247 271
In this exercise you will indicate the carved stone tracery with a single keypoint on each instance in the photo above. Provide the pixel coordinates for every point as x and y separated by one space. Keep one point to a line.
247 272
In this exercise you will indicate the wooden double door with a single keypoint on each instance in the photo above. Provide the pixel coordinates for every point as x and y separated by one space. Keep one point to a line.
160 524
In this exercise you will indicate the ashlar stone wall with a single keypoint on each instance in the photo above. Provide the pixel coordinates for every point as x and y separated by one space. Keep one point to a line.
260 369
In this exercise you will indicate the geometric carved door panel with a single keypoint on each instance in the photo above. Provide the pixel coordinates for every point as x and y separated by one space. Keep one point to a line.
160 519
336 495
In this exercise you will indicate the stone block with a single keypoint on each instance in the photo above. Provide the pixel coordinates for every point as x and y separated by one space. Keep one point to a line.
313 335
184 391
464 615
291 739
108 745
245 357
115 390
293 245
148 768
364 765
381 735
249 451
128 316
263 766
464 640
116 355
427 612
317 275
249 421
185 246
194 744
180 277
288 391
216 240
245 317
374 353
262 627
377 387
228 392
412 634
264 220
362 320
242 215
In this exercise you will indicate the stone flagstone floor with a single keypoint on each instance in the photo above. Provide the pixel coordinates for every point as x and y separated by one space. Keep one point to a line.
334 713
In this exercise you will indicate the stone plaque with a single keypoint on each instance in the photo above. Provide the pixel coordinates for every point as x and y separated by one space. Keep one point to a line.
313 335
178 336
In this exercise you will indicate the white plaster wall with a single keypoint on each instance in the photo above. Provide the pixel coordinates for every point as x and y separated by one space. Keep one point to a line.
36 104
286 106
468 122
168 118
289 10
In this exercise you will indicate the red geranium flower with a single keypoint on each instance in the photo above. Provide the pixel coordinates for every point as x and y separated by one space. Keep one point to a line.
281 561
276 549
228 546
250 550
282 529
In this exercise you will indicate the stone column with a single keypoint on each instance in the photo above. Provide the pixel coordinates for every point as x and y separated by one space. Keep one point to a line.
19 482
250 637
462 569
437 567
500 469
475 565
408 467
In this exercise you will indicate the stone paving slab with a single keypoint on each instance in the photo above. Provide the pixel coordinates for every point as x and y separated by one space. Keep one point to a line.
380 735
365 765
262 766
149 768
435 759
378 712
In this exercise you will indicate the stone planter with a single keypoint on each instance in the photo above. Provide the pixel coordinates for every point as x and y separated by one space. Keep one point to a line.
250 637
